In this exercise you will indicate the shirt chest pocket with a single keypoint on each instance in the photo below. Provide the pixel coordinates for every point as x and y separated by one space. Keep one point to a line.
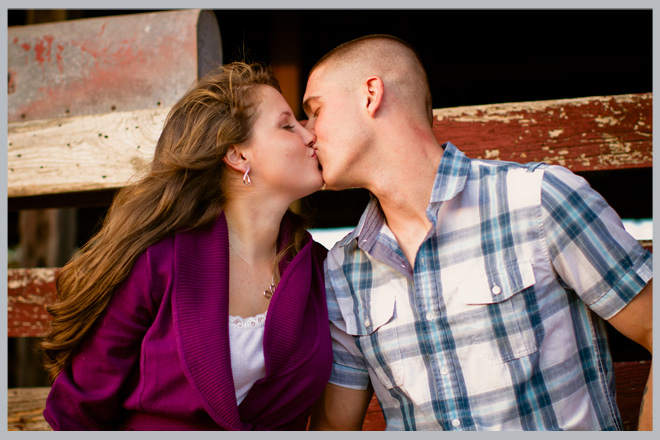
373 324
502 312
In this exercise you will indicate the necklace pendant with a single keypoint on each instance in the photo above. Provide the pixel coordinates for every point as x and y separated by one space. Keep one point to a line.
268 293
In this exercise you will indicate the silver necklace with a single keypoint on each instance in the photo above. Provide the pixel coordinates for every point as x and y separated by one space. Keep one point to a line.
268 293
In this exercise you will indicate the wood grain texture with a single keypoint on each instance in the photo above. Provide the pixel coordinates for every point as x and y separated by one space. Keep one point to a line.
25 408
596 133
81 153
104 151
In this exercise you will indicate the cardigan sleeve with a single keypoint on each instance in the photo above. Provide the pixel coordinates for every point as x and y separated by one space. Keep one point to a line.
87 394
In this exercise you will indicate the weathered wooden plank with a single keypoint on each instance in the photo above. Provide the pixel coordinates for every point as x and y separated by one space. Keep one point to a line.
103 151
100 65
28 293
25 408
29 290
585 134
80 153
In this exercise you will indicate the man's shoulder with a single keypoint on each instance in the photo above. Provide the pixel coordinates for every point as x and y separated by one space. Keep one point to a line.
497 171
506 166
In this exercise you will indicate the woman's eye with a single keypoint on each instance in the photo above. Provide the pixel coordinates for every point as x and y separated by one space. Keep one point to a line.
288 127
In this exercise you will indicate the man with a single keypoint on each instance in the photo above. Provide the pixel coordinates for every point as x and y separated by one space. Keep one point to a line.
468 295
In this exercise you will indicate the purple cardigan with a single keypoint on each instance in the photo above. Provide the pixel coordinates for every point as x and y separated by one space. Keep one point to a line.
158 357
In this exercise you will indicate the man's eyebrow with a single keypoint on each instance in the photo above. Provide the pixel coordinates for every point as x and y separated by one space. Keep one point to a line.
306 102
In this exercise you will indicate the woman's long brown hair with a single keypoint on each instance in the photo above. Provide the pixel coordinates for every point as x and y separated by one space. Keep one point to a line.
183 189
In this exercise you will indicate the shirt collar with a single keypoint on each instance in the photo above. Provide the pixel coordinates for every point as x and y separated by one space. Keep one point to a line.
370 223
452 174
449 181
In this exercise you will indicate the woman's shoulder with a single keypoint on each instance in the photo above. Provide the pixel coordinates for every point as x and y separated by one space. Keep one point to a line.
319 250
156 262
162 250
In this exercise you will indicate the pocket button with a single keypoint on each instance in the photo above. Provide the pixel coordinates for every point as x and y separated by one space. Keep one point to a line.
496 290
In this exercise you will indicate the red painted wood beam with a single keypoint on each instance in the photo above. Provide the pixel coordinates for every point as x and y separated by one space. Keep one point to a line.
101 65
584 134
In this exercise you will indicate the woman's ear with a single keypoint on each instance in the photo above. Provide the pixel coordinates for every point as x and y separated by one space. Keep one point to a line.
374 90
235 159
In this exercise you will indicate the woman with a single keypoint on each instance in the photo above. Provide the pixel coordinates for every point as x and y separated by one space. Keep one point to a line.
200 302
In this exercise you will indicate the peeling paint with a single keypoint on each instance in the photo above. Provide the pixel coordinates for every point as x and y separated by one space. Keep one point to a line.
606 120
21 278
615 145
555 133
584 160
491 154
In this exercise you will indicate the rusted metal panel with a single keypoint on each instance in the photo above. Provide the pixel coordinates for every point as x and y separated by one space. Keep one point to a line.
101 65
28 293
585 134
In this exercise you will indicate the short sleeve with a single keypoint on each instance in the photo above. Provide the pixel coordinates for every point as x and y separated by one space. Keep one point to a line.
349 369
589 247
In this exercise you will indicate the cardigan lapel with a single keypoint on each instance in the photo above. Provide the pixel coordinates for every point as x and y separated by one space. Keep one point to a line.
200 298
284 322
201 315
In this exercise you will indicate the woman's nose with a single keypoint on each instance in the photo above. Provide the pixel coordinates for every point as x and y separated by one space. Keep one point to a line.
309 137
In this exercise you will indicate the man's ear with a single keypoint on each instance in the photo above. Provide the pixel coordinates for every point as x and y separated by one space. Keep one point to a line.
235 159
374 89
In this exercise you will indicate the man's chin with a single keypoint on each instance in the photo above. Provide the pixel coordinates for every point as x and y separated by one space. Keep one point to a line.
329 183
331 186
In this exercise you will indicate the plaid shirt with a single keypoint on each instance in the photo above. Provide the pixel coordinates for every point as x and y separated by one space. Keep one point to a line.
495 327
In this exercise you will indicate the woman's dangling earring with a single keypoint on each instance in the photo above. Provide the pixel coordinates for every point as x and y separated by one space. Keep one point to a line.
246 176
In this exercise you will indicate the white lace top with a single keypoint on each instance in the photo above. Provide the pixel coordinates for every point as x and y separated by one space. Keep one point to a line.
246 336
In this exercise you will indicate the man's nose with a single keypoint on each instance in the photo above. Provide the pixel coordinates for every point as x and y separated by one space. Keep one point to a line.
308 124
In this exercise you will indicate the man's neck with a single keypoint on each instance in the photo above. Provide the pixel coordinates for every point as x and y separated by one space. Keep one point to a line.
403 189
